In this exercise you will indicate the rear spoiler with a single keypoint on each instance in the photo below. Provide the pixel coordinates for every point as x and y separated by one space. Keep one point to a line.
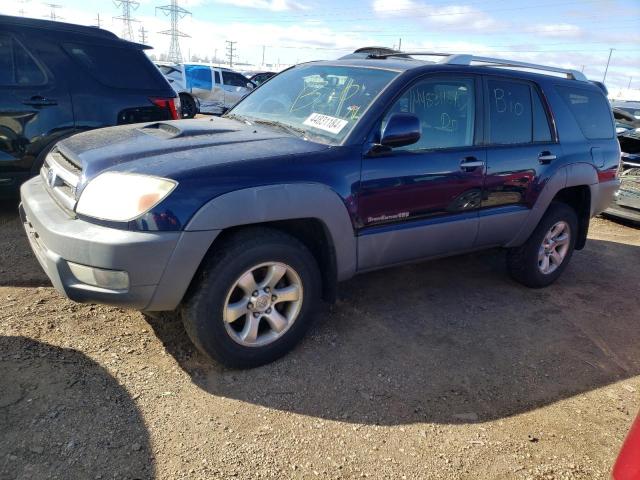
601 86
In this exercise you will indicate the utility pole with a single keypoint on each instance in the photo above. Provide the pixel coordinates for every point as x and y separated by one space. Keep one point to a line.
263 55
215 56
400 45
175 12
629 86
143 35
127 7
230 53
98 23
607 67
582 69
21 11
52 12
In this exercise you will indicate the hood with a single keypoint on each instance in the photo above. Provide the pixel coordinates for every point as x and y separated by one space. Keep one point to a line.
179 148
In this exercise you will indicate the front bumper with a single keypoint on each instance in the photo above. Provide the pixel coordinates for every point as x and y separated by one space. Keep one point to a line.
160 265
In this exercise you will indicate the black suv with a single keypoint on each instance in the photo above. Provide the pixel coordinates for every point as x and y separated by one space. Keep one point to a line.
57 79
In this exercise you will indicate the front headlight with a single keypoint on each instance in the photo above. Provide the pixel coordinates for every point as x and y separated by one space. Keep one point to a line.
121 197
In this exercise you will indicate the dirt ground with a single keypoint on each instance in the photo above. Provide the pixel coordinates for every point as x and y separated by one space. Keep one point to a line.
440 370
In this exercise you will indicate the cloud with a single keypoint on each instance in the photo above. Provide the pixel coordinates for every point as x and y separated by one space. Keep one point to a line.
440 17
557 30
272 5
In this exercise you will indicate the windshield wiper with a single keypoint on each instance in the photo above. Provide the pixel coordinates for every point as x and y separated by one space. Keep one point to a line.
283 126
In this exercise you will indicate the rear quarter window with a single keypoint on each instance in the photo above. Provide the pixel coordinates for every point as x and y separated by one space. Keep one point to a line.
117 67
590 109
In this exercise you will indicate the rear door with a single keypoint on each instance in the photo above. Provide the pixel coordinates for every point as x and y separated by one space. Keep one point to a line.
35 106
521 146
234 86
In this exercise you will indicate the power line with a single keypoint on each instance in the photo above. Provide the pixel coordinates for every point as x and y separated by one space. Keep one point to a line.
127 21
175 12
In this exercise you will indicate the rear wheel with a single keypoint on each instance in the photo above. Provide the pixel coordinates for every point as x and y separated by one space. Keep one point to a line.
188 106
544 256
254 298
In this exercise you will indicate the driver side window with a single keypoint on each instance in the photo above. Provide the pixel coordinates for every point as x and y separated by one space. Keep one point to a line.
446 109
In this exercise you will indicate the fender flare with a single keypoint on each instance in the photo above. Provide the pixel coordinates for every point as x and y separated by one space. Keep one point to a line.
284 202
572 175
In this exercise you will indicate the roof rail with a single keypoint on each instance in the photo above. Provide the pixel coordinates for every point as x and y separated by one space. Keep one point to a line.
498 62
465 59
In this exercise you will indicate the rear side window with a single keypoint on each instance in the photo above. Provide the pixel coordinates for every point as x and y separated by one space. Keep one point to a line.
198 76
510 113
217 78
234 79
591 110
17 67
117 67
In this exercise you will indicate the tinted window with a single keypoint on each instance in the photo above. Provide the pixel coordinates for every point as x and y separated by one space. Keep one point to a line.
17 67
117 67
510 118
234 79
198 76
541 130
446 109
217 77
591 110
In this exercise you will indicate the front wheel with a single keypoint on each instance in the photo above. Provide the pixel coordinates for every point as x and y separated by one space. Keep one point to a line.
254 298
544 256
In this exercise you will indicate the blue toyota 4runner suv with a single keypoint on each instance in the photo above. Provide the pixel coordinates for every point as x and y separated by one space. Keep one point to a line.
243 223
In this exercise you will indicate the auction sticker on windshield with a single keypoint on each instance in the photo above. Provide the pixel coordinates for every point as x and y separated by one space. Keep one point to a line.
325 122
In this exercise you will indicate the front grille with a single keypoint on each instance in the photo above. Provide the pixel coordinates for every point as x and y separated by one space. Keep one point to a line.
61 177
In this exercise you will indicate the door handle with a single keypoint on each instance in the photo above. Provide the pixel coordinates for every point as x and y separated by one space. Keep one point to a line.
470 163
39 101
546 157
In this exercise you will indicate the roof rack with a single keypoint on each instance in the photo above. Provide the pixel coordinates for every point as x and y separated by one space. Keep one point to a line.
465 59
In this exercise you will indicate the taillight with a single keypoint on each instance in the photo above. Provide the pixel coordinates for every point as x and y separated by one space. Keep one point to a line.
171 104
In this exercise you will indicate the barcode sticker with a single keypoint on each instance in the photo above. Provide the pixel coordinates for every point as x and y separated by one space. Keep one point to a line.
325 122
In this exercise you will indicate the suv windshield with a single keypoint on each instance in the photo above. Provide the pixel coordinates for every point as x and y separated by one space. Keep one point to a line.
321 102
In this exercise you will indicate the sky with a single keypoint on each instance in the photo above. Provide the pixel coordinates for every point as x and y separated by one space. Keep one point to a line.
566 33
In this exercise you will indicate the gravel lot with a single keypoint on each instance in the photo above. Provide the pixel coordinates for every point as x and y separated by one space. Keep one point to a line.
440 370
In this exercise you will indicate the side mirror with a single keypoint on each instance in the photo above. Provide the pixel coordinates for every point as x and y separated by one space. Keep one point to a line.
250 85
401 129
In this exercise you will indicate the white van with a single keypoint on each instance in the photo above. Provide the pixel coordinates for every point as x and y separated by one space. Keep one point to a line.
205 88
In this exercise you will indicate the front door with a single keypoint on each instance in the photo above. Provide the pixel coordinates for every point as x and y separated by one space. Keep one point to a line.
234 86
35 109
422 200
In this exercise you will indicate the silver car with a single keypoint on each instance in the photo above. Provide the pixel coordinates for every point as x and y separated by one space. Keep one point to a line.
205 88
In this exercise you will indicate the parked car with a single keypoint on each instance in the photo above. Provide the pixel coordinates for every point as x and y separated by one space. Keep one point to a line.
58 79
627 466
633 108
258 78
205 88
242 223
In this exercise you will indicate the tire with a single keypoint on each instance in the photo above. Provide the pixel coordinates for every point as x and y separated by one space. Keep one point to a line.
235 343
188 107
524 262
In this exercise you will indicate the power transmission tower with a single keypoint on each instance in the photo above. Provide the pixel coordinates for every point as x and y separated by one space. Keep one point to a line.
143 34
52 11
176 13
127 7
230 54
